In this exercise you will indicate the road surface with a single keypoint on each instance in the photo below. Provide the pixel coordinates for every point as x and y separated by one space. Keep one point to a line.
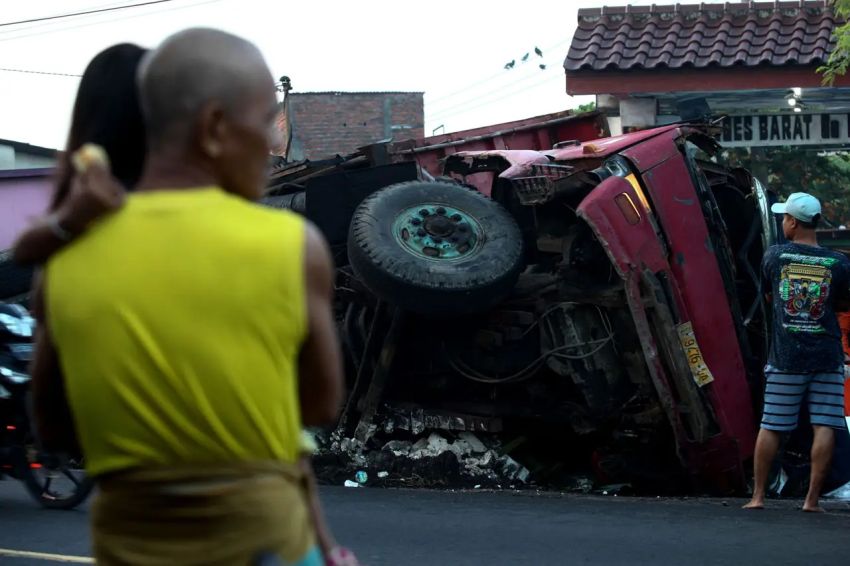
412 528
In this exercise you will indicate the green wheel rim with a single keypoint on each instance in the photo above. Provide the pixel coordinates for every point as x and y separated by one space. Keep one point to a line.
438 232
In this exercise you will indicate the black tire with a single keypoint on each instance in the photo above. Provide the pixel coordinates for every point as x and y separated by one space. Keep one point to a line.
295 202
15 280
78 492
473 268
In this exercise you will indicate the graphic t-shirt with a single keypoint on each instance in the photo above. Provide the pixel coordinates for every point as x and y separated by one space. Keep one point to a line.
805 283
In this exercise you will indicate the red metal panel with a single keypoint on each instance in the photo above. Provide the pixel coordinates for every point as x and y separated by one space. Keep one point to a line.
697 274
632 247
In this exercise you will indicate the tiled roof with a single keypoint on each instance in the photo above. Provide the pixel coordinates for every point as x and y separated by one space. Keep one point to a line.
727 34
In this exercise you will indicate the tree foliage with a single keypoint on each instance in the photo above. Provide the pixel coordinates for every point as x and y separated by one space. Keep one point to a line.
589 107
839 58
789 170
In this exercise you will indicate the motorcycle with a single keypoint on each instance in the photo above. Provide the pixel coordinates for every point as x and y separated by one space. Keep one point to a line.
55 481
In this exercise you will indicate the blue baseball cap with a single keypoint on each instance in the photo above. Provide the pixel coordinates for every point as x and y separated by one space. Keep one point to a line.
801 206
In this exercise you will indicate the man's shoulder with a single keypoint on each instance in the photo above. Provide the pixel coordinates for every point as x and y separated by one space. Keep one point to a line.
843 260
773 252
835 258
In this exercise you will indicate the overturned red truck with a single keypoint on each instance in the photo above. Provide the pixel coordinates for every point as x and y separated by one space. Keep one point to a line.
606 287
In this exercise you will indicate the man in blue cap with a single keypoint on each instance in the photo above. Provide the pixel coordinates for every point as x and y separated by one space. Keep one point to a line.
806 359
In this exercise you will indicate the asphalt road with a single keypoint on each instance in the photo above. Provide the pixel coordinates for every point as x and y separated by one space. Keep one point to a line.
406 527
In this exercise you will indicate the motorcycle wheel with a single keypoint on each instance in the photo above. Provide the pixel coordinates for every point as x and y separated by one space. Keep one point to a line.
56 484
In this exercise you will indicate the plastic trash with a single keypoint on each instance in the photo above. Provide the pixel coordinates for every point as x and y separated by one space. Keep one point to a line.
349 483
361 477
383 475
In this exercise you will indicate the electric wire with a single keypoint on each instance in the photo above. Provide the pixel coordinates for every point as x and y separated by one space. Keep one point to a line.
84 13
471 104
61 29
7 70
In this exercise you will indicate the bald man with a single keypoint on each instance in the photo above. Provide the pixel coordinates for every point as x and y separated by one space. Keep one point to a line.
194 330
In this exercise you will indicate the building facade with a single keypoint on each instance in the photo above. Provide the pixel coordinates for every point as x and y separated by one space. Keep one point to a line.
316 125
751 66
652 65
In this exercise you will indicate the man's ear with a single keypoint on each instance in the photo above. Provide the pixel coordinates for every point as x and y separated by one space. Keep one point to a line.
212 128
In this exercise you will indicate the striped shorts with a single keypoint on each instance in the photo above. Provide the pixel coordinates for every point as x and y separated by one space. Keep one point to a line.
785 392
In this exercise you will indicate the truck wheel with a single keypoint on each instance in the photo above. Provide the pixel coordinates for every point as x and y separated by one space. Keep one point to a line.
296 202
15 280
435 248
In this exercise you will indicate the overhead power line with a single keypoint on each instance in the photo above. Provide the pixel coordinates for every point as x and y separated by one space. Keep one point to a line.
85 13
519 85
489 100
38 72
15 33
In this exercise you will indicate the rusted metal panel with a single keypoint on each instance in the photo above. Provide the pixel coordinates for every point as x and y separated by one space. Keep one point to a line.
653 151
539 134
607 146
696 271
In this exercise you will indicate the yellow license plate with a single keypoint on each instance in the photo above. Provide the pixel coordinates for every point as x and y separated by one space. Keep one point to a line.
702 375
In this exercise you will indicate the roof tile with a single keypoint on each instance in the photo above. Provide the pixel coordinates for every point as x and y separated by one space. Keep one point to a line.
703 35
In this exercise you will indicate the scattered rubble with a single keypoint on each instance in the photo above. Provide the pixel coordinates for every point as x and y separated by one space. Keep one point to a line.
421 457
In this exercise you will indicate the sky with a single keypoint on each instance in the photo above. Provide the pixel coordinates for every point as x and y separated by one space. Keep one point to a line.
453 51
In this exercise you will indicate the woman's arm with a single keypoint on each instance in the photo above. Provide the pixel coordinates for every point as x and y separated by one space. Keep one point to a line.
94 193
40 241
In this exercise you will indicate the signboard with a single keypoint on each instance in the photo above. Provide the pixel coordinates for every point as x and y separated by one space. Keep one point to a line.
766 130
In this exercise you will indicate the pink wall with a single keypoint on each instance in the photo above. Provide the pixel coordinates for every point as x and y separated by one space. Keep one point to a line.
24 194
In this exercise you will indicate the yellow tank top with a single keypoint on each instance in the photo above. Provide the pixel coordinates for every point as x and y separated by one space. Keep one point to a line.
178 322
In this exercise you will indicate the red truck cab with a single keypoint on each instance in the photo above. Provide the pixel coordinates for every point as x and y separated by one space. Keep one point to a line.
685 236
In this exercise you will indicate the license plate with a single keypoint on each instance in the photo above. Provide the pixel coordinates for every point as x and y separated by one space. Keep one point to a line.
702 375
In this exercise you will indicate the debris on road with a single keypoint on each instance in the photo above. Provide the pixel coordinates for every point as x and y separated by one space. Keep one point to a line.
428 458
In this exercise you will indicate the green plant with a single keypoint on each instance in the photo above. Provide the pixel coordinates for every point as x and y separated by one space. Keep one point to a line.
839 59
794 169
